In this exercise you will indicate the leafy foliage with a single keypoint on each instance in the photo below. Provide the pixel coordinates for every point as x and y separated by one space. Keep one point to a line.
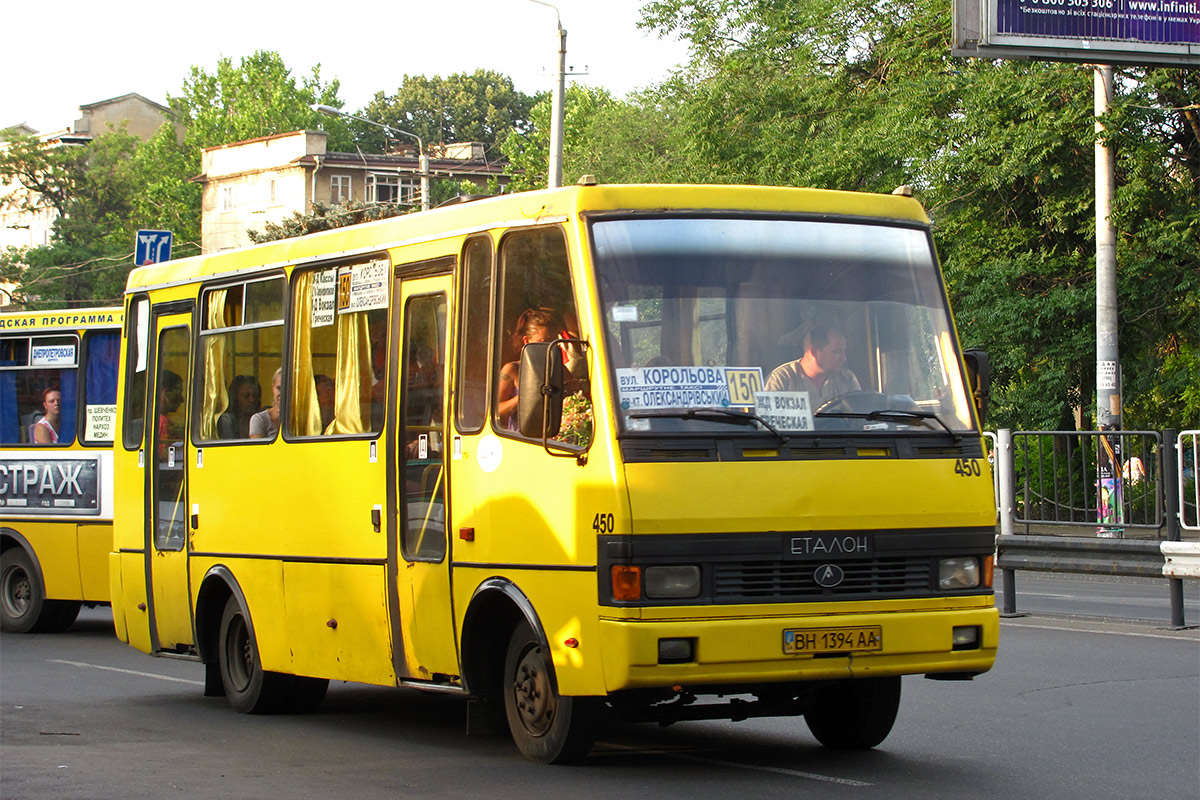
106 191
864 95
482 106
257 97
90 189
324 218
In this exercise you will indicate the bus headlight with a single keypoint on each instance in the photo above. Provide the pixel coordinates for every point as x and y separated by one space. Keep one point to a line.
663 583
958 573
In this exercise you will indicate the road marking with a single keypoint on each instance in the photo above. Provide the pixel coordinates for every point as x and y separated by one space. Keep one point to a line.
814 776
795 773
126 671
1181 636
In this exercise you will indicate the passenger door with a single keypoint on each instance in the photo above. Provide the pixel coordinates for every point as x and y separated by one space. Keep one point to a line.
426 641
166 457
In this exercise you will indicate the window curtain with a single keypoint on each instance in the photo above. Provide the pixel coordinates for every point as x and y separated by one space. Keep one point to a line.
100 382
68 381
10 423
355 378
216 381
305 413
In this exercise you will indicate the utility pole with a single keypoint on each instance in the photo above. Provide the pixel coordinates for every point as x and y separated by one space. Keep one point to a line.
1108 363
554 175
1109 500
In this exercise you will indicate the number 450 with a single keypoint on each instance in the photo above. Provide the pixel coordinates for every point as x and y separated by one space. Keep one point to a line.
967 467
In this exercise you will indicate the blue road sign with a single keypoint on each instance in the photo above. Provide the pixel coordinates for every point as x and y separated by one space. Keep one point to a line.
152 247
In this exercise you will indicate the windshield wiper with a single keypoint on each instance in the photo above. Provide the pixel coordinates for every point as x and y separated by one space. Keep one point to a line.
726 415
893 415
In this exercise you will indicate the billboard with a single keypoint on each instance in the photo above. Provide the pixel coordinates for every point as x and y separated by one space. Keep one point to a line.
1133 32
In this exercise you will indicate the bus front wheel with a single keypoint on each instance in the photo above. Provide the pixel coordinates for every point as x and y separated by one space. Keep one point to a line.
546 726
23 604
249 688
855 714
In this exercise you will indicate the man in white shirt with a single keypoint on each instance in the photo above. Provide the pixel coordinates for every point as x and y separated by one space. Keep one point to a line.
821 371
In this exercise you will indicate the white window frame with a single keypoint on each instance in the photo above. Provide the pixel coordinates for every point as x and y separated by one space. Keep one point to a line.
375 180
341 189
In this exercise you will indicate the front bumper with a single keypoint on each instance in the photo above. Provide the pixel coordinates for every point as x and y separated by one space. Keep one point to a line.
746 649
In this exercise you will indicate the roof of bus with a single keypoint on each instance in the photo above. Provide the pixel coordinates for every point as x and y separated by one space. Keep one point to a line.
547 204
62 319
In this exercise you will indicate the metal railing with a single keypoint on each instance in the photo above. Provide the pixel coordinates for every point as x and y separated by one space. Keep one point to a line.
1106 480
1187 454
1107 502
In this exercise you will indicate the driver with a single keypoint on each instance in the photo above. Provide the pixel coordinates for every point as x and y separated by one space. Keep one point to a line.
821 371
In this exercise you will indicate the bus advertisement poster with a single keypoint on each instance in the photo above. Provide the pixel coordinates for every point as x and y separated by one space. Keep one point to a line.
50 485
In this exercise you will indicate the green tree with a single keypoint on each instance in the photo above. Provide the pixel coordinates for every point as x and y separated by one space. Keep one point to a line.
482 106
618 141
257 97
862 95
89 187
107 190
326 217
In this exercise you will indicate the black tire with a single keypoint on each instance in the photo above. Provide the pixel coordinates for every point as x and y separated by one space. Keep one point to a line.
249 688
21 594
306 694
58 615
855 714
545 726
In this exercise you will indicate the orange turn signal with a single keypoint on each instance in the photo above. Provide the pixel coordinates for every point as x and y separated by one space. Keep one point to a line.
989 566
626 582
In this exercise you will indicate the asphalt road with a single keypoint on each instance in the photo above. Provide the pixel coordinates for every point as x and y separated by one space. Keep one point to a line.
1101 597
1078 706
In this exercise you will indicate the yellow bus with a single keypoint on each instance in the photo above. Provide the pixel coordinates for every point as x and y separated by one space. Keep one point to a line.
58 409
556 452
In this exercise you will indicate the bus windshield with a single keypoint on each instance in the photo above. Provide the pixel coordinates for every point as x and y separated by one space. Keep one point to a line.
737 324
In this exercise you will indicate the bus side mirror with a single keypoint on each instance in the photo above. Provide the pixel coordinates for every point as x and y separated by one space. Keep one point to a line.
540 390
979 379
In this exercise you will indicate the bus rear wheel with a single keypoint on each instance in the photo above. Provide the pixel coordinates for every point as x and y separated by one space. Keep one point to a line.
546 726
855 714
249 688
23 604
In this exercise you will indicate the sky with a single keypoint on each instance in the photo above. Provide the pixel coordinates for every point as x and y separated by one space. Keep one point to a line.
71 53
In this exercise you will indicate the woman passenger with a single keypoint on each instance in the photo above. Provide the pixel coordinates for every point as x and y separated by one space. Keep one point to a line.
45 430
265 424
534 325
245 400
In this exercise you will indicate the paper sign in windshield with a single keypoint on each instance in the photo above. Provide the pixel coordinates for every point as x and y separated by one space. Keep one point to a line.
786 411
645 388
52 355
101 422
363 287
324 297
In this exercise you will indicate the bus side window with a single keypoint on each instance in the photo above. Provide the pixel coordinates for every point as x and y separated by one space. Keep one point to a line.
35 370
100 385
241 347
137 326
339 358
536 303
14 352
475 291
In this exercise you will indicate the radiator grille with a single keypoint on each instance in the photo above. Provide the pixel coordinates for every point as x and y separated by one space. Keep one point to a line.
770 581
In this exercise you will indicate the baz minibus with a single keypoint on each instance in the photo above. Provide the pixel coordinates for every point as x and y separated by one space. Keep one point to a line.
58 408
570 454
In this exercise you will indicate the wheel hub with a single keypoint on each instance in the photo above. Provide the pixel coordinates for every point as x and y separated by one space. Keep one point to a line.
536 701
17 592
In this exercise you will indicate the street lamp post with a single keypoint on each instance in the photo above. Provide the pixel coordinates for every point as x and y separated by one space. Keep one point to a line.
554 176
422 158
